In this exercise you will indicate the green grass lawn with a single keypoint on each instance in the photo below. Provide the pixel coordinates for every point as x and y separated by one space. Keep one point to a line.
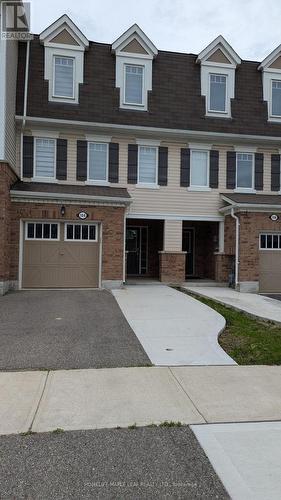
248 341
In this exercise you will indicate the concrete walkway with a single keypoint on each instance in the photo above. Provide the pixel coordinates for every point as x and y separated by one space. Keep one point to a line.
107 398
257 305
174 329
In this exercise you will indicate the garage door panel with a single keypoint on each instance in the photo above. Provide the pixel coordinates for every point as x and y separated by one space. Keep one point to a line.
270 271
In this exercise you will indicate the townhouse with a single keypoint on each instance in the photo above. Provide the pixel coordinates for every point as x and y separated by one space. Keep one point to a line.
127 161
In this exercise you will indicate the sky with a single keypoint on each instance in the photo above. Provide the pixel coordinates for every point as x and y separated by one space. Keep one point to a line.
252 27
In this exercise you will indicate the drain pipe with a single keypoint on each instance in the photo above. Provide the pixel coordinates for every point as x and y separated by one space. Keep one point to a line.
24 101
236 247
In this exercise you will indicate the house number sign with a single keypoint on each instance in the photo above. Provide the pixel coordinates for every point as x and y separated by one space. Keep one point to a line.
274 217
83 215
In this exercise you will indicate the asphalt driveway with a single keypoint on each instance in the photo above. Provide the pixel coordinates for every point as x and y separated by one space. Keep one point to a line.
66 329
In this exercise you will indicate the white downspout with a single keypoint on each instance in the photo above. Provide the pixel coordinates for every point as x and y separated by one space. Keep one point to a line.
236 247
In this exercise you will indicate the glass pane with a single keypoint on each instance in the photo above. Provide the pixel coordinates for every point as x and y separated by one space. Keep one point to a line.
69 232
54 231
275 241
45 158
263 241
147 164
92 235
30 230
217 92
244 170
269 241
77 232
133 84
97 161
63 77
199 168
276 98
85 230
38 231
46 231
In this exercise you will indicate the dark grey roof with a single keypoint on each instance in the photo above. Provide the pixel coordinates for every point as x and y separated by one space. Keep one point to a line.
175 101
68 189
255 199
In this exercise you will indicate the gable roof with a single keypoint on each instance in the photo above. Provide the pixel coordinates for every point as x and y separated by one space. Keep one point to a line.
134 32
270 58
64 22
223 45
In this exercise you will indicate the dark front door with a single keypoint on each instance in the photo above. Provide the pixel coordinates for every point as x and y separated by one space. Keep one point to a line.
188 247
136 249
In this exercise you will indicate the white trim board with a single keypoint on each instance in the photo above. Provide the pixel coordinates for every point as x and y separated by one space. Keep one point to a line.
157 216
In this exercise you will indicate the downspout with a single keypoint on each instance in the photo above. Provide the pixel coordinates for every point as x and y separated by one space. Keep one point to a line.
24 100
236 247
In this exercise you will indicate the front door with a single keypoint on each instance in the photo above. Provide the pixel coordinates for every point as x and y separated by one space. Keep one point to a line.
188 247
136 250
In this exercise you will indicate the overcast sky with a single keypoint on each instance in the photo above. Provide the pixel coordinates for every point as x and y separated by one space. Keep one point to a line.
252 27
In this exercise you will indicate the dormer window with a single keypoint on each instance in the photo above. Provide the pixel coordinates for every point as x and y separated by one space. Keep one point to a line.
134 57
217 93
271 79
276 98
133 84
63 77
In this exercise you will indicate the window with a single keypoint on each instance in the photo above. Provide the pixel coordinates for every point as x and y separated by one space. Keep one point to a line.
41 231
45 156
64 77
217 93
270 241
199 169
133 84
80 232
97 162
276 98
244 170
147 165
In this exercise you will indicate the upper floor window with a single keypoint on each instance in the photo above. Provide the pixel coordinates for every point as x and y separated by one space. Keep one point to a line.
134 84
217 93
97 162
244 171
147 165
64 77
45 158
276 98
199 169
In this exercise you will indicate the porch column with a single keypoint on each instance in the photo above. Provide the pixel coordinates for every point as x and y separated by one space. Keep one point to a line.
172 258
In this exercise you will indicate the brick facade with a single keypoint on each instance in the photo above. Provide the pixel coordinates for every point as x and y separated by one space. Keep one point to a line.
172 267
7 178
112 219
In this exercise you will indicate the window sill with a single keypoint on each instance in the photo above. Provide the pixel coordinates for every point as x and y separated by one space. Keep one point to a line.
97 183
147 186
218 115
245 190
44 179
199 188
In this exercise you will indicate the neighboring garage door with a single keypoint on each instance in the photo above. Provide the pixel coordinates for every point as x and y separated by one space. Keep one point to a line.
270 263
60 255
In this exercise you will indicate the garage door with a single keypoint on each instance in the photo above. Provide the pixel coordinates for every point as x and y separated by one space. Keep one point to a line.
60 255
270 263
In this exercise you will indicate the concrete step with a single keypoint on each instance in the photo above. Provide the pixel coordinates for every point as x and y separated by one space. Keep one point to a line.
205 283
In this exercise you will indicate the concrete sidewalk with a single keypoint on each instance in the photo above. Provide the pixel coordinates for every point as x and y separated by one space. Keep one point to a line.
257 305
173 328
107 398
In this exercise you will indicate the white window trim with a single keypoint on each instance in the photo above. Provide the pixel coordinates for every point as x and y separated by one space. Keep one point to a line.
150 185
278 117
196 187
135 60
226 94
126 103
55 96
41 239
269 249
80 224
92 181
244 189
37 178
207 69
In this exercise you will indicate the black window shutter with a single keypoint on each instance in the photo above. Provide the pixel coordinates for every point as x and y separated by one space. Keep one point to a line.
185 167
27 156
259 171
214 169
61 159
82 150
231 170
162 166
275 172
113 167
132 163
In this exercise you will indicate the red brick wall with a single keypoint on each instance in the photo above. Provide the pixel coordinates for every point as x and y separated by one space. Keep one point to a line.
112 219
7 178
172 267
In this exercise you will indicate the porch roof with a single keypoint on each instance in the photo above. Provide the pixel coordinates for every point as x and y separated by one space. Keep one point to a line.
250 200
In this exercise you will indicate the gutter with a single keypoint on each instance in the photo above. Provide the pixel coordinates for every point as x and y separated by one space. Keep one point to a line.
236 247
252 206
67 196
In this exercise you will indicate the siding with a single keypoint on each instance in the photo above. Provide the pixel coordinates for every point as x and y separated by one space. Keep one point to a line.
173 236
